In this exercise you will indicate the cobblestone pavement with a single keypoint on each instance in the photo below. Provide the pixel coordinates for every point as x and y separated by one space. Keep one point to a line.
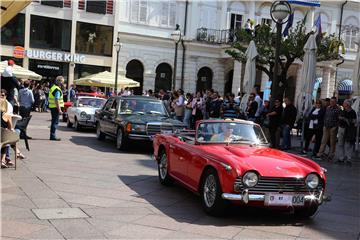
115 194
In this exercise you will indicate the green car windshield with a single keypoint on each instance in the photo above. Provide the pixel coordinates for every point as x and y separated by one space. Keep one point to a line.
230 132
142 106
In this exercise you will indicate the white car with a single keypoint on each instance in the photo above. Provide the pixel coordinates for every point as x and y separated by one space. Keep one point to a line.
82 113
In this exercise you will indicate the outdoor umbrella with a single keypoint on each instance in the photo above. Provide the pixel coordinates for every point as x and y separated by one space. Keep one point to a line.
250 74
20 72
308 77
356 89
106 79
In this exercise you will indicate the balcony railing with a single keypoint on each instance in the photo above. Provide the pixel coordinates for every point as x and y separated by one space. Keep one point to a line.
215 36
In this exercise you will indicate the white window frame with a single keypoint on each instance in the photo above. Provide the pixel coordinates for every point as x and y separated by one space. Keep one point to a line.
169 15
138 20
352 34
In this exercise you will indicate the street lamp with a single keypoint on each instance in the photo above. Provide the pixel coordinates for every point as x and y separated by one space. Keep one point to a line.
117 46
176 36
279 12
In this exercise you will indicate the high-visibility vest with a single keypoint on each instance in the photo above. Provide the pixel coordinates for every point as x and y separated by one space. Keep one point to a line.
52 97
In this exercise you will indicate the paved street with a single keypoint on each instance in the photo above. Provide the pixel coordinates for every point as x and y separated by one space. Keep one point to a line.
117 195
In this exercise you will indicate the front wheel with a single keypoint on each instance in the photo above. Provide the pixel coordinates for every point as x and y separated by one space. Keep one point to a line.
121 140
77 126
68 123
99 134
211 194
306 212
163 170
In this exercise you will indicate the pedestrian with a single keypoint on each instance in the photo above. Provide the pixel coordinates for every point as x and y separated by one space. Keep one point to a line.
314 127
188 109
230 109
26 100
56 103
248 28
259 104
265 120
72 93
215 106
208 98
46 92
288 119
9 82
330 129
274 123
198 106
252 107
347 133
179 105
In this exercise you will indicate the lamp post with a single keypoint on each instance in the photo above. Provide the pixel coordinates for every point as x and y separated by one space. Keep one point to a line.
117 46
279 12
176 36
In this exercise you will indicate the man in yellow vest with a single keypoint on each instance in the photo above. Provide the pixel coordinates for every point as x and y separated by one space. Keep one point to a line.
56 103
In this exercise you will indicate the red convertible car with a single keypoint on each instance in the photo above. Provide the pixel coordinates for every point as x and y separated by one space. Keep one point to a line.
230 161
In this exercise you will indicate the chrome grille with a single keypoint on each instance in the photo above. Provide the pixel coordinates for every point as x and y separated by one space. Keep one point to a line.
155 128
271 184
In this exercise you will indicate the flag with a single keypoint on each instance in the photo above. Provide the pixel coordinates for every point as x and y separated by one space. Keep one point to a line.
289 24
318 27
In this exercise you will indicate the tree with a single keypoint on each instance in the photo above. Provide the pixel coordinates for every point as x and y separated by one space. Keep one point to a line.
291 49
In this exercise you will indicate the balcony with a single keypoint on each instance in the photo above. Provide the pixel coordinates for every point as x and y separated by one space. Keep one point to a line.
215 36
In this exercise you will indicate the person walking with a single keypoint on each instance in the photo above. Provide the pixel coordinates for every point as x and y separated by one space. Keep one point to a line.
26 100
274 123
347 133
314 126
330 129
288 119
56 103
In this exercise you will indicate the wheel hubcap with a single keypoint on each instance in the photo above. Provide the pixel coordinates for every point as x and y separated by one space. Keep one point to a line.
163 166
119 139
210 191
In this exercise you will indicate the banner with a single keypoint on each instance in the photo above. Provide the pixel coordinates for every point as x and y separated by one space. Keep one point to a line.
310 3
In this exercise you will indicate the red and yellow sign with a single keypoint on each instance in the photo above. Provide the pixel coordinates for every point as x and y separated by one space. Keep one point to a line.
19 52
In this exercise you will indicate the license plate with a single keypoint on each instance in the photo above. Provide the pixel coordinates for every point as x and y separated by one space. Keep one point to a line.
166 131
273 199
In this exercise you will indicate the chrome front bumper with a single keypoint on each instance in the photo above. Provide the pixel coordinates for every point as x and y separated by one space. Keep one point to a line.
245 197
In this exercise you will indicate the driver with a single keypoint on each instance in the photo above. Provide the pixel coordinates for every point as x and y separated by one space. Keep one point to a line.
224 135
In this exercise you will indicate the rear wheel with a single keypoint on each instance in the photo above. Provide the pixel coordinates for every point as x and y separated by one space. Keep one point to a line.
211 194
68 123
99 134
163 170
121 140
306 212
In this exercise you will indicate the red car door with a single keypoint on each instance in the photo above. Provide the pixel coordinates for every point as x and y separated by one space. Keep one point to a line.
179 161
196 164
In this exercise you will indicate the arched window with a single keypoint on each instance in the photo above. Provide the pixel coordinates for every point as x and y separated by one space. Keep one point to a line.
163 77
349 36
135 71
205 76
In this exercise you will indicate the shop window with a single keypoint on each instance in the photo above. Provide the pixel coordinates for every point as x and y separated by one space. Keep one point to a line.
13 32
50 33
49 70
96 6
59 4
94 39
83 70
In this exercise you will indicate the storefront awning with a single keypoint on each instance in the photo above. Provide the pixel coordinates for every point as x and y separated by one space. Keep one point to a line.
9 9
106 79
345 87
20 72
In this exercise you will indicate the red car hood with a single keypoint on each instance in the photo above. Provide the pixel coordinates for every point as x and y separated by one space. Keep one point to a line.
266 161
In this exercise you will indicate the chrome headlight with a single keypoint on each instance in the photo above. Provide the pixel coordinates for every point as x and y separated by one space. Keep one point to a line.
138 127
250 179
83 115
312 180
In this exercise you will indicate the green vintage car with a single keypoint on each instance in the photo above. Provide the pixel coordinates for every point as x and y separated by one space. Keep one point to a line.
134 118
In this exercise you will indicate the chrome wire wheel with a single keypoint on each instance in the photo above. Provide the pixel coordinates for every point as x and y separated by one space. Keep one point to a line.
119 139
163 167
209 190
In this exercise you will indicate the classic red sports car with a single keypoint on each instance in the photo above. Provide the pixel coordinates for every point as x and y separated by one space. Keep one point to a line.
230 161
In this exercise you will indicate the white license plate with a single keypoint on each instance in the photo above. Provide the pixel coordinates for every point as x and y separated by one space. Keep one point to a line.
274 199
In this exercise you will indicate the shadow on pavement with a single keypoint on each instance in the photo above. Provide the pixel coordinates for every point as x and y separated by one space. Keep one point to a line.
183 206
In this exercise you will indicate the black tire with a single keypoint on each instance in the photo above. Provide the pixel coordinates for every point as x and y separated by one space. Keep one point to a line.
163 168
121 140
212 201
77 125
306 212
68 123
99 134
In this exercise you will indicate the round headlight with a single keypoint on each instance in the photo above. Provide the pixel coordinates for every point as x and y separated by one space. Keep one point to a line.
83 114
312 180
250 179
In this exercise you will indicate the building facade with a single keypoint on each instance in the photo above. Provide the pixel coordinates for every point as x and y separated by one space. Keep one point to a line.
82 41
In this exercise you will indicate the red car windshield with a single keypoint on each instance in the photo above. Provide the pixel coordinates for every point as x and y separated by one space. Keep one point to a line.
230 132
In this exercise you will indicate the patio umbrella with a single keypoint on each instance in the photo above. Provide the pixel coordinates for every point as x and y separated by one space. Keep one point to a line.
308 75
356 89
20 72
250 74
106 79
